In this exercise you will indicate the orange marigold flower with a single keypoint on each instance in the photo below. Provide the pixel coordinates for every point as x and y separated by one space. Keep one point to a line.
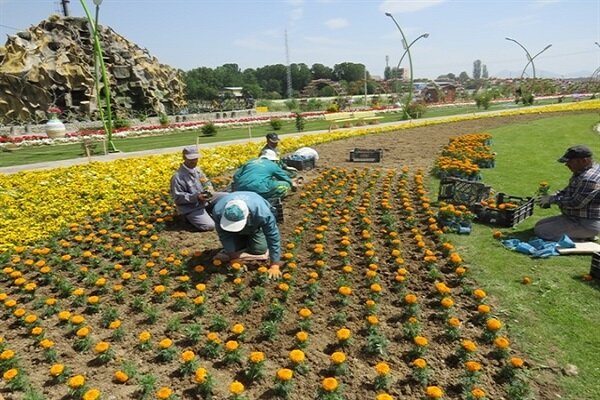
83 332
376 288
483 309
285 374
302 336
478 393
493 324
92 394
473 366
188 356
305 312
419 363
76 381
231 345
10 374
102 347
434 392
479 294
164 393
469 346
236 388
372 320
329 384
297 356
200 376
144 336
121 377
447 302
57 370
501 342
384 396
238 329
338 357
410 299
421 341
115 324
382 368
257 357
165 343
345 290
454 322
517 362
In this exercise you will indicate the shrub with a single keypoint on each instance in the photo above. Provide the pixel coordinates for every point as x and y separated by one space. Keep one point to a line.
333 107
483 99
163 119
276 124
300 122
122 123
209 129
416 110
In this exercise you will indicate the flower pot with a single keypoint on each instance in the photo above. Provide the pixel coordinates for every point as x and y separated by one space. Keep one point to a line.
55 128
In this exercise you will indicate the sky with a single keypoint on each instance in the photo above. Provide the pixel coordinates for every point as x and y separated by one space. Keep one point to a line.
188 34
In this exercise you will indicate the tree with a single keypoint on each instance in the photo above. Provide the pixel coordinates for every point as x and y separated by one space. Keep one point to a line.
463 77
320 71
477 69
484 72
349 72
301 76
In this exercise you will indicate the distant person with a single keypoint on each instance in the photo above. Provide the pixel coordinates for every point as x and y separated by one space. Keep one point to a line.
272 142
264 176
192 191
579 202
247 229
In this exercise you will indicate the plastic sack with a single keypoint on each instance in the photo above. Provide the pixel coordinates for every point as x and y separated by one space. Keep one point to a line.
306 153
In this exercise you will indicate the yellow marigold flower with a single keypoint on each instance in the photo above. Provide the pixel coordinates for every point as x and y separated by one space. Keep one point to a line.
164 393
30 318
469 346
76 381
159 289
188 356
36 331
10 374
338 357
382 368
384 396
114 324
165 343
257 357
447 302
347 269
329 384
455 258
345 290
121 376
284 287
302 336
19 312
493 324
46 344
517 362
479 294
238 329
372 320
454 322
199 300
285 374
231 345
305 312
483 309
460 271
419 363
93 300
57 370
78 292
83 332
144 336
200 376
421 341
473 366
434 392
92 394
77 319
410 299
236 388
376 288
501 342
297 356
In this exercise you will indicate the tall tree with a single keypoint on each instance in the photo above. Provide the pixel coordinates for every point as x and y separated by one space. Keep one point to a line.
349 72
320 71
477 69
484 72
463 77
301 76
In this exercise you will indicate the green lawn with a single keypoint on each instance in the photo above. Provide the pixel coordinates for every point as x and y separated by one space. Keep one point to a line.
554 320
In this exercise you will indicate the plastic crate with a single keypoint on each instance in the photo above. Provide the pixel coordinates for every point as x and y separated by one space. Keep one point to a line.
507 217
366 155
461 191
300 165
595 268
277 209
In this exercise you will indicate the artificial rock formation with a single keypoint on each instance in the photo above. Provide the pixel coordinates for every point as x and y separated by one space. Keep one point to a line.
52 65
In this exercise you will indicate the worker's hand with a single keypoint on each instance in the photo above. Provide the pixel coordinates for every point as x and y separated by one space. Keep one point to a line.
545 201
274 272
204 197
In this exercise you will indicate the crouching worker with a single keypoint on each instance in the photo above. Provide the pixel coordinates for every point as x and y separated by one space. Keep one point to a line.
263 176
248 230
192 191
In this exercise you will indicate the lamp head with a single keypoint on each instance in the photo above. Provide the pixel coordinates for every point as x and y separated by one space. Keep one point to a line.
547 47
425 35
388 14
97 2
508 38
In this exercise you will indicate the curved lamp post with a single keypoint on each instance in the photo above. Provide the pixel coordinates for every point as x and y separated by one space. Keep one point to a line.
107 122
407 47
423 36
529 57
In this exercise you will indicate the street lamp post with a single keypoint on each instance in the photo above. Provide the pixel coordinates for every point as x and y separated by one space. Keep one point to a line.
529 57
407 49
107 122
423 36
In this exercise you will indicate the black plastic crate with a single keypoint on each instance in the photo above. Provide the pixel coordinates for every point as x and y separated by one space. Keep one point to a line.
277 209
366 155
505 217
461 191
595 268
300 165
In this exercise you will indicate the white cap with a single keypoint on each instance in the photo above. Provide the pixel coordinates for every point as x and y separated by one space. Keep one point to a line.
269 155
235 215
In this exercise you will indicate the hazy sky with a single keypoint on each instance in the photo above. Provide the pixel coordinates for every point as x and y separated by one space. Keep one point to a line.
193 33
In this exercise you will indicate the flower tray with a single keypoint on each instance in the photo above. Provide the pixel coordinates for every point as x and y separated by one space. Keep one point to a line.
462 191
503 215
300 164
366 155
595 268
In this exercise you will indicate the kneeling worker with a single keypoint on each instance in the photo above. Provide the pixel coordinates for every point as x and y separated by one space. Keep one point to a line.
263 176
245 224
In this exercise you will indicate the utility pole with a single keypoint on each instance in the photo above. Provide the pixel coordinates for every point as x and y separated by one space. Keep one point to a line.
65 7
289 68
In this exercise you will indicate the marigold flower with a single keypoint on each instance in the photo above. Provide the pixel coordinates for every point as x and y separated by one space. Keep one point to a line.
285 374
329 384
297 356
188 356
483 309
447 302
36 331
213 337
236 388
46 344
231 345
164 393
57 370
305 312
442 288
501 342
473 366
454 322
200 375
121 376
434 392
114 324
77 319
382 368
83 332
478 393
479 294
10 374
257 357
493 324
165 343
372 320
517 362
384 396
421 341
92 394
76 381
345 290
469 346
144 336
419 363
376 288
338 357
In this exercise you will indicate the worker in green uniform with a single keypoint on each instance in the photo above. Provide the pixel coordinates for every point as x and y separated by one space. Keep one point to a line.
263 176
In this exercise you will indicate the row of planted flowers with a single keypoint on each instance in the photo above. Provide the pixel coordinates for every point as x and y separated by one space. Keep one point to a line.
39 204
375 304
